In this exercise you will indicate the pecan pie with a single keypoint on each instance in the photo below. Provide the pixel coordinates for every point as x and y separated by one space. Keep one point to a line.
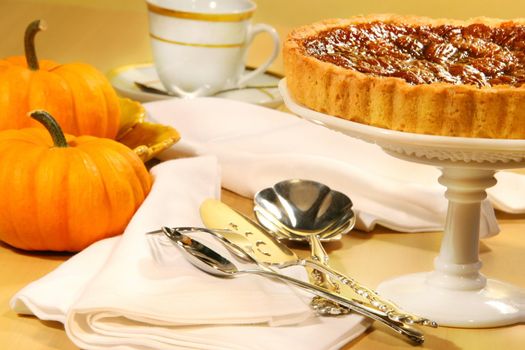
413 74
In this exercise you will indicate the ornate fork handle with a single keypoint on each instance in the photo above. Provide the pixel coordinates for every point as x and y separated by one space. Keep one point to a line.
389 308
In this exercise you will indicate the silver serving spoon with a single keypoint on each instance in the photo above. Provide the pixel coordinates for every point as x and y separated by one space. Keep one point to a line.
212 262
309 210
304 205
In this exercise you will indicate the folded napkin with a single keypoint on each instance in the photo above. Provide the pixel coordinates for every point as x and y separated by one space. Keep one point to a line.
258 147
133 292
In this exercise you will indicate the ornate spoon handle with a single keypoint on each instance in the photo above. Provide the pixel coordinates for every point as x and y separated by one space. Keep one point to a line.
324 306
389 308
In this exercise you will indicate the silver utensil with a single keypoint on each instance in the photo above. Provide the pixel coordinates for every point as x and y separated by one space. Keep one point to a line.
304 205
309 210
212 262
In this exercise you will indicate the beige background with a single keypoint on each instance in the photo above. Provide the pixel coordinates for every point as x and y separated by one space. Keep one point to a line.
98 37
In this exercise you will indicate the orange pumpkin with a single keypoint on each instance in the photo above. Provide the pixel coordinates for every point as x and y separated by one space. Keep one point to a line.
80 97
61 192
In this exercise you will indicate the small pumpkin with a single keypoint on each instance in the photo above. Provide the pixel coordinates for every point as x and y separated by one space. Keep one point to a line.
80 97
61 192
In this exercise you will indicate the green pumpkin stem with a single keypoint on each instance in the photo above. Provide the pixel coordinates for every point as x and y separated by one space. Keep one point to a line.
51 125
29 42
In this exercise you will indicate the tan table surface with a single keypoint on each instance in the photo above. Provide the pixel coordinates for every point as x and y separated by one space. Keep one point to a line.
108 34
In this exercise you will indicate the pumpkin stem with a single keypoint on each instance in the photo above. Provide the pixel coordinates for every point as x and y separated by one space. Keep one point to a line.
29 42
51 125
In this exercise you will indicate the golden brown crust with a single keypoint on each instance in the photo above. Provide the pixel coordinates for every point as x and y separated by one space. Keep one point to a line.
389 102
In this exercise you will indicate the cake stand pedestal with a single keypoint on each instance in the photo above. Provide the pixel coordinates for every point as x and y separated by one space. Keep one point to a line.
456 293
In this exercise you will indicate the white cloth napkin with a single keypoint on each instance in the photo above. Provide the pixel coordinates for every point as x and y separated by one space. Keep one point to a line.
258 147
125 293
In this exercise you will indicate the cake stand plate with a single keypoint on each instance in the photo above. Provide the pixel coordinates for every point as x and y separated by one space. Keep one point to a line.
455 294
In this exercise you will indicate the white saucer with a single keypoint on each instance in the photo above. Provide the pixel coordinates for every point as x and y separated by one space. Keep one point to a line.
123 80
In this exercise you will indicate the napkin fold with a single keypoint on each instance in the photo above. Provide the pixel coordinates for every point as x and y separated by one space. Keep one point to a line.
258 147
134 292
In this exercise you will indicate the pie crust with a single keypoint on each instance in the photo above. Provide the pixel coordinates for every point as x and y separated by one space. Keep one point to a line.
437 108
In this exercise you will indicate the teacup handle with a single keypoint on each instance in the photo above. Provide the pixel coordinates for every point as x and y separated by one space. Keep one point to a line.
257 29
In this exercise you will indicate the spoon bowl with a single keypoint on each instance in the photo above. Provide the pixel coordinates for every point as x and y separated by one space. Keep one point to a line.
305 207
201 256
331 233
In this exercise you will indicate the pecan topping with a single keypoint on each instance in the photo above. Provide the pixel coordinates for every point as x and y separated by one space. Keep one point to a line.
476 54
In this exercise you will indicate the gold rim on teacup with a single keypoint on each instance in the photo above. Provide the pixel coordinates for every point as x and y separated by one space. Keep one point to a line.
202 16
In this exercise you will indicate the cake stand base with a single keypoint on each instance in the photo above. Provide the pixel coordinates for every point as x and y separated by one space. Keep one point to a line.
496 304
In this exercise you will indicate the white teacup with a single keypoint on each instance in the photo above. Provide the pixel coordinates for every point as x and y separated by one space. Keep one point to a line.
200 46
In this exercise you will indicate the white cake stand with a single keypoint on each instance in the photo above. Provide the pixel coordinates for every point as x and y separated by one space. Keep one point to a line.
456 293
